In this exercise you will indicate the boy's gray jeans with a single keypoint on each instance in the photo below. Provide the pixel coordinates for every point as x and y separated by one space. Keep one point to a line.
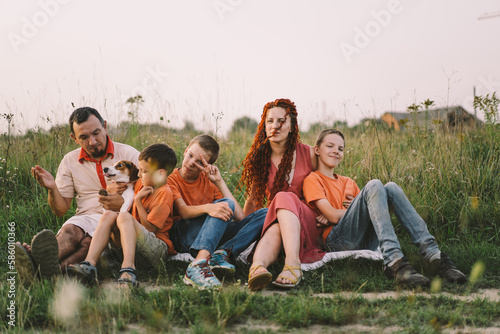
367 224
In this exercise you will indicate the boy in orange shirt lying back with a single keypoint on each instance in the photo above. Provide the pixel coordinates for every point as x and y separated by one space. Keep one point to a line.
362 220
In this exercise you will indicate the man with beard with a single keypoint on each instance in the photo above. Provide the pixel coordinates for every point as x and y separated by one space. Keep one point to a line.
80 175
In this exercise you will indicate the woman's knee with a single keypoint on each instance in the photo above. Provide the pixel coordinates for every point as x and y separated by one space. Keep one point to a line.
284 194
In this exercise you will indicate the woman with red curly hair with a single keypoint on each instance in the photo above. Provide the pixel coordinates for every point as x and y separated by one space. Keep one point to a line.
273 172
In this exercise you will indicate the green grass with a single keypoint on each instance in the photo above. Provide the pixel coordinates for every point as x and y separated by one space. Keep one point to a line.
181 307
452 178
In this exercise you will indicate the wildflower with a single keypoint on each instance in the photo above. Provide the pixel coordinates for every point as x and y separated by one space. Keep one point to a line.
474 202
476 272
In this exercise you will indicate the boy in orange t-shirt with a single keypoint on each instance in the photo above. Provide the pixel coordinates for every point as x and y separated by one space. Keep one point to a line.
208 221
355 219
143 233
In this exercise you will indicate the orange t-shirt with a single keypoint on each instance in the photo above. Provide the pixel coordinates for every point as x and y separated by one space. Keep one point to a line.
201 191
159 208
319 186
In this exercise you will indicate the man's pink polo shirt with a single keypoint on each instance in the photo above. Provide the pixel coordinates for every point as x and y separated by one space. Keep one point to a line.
82 177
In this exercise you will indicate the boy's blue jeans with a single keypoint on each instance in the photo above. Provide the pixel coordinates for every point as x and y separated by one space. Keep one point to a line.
210 233
367 224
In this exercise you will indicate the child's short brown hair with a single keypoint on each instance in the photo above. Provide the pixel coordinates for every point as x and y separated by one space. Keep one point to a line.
161 156
327 132
209 144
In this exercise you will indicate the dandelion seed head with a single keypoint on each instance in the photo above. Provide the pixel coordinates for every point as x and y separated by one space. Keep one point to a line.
436 285
66 303
476 272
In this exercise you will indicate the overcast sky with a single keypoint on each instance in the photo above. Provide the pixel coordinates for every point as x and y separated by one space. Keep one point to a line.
212 61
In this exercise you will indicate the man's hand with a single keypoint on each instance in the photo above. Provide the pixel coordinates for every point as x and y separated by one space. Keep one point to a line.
211 171
113 201
116 187
220 210
44 178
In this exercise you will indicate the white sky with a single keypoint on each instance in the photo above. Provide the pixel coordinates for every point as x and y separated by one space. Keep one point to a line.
203 60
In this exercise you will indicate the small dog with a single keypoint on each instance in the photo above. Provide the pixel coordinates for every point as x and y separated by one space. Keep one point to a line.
123 171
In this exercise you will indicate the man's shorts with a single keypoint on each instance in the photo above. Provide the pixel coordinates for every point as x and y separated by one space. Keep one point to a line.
88 223
150 248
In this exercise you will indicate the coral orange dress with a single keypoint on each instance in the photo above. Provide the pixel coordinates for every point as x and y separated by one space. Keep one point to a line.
292 199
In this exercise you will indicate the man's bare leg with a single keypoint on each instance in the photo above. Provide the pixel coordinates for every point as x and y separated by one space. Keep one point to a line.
79 255
68 240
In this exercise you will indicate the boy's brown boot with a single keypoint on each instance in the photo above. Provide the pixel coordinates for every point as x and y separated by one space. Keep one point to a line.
446 269
403 273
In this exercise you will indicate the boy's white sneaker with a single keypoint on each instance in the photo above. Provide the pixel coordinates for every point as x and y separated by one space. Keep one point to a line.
199 274
219 264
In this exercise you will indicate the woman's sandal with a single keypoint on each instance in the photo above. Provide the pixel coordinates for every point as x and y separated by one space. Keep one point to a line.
295 281
259 281
128 281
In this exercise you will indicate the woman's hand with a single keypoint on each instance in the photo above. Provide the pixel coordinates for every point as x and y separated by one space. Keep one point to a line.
322 221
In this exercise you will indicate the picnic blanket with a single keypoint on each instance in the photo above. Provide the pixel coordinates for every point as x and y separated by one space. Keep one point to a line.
331 256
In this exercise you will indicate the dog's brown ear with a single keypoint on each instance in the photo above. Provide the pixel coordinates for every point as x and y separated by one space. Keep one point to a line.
134 173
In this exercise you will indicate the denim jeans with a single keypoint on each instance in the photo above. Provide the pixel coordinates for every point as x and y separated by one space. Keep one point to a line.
210 233
367 224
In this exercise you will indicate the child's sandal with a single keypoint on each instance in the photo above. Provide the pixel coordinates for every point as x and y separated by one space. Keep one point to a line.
128 281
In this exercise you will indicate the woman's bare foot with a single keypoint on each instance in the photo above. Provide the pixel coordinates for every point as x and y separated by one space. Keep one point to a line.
289 276
258 277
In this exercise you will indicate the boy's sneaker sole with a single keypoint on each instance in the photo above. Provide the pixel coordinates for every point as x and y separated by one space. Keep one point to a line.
25 266
45 252
223 272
